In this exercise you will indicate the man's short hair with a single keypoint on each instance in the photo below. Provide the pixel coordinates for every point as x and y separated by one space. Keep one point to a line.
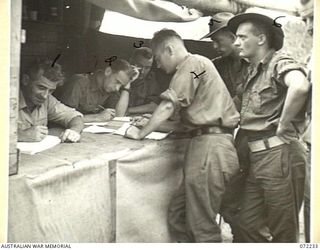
164 35
122 65
143 52
47 69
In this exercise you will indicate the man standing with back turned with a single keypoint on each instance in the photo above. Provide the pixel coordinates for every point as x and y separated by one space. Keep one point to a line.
271 121
200 96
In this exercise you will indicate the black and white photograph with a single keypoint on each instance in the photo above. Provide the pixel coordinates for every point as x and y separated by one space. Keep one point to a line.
161 121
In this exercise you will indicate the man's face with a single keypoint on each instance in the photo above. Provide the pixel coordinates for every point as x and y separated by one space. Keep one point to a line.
163 59
144 65
114 81
222 42
247 41
39 90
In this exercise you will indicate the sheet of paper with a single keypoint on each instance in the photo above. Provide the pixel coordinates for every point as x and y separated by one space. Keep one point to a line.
122 119
96 123
122 130
157 135
34 147
152 136
98 130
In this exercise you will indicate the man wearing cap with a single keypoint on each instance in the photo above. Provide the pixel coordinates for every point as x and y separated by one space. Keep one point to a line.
271 121
37 106
231 67
199 95
233 70
91 93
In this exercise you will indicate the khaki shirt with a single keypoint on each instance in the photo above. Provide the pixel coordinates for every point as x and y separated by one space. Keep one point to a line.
264 94
202 101
233 72
141 89
81 94
50 110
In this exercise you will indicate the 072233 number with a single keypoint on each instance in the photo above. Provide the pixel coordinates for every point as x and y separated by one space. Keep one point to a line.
308 245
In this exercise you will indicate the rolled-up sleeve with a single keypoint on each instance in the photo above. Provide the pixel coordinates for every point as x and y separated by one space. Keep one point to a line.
60 113
286 64
184 84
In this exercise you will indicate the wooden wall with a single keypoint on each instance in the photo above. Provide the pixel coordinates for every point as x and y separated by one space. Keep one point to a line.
14 83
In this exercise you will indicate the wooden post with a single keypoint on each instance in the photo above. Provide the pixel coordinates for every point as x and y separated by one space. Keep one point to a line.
4 104
113 198
16 9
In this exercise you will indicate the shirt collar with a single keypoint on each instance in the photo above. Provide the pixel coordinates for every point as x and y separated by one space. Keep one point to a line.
182 62
265 61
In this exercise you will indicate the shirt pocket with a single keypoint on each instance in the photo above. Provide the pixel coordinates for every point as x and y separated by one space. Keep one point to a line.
263 98
41 121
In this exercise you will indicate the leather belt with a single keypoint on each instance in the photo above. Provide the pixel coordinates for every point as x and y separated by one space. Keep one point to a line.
264 144
210 130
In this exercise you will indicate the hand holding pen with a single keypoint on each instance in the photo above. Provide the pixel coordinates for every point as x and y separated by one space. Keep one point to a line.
107 114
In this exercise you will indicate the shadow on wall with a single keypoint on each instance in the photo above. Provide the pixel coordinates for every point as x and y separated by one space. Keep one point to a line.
96 47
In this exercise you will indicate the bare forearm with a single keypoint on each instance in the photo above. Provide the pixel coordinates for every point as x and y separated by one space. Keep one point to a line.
296 97
161 114
93 118
122 105
146 108
293 104
76 124
168 126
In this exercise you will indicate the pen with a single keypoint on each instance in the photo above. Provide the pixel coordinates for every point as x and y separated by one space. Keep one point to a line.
101 107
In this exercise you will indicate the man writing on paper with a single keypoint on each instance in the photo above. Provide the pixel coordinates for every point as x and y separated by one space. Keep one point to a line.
37 106
88 93
198 93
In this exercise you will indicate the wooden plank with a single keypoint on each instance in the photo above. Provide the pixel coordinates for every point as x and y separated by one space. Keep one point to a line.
113 198
14 81
14 161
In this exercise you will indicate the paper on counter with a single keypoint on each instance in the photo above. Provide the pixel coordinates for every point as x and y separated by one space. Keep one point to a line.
122 130
34 147
96 123
98 130
157 135
122 118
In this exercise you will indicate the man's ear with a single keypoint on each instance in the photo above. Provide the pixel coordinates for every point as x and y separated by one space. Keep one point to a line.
108 71
169 49
233 37
262 39
25 80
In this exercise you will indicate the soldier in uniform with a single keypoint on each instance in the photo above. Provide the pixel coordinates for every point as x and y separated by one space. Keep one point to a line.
271 122
205 106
